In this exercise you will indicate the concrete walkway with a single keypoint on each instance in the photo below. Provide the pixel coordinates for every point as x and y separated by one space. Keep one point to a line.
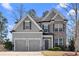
6 53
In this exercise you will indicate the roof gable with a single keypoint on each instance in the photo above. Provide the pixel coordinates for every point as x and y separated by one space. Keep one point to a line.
49 16
56 13
24 19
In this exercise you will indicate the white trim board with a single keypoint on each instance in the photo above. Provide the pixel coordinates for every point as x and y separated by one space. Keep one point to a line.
27 32
27 38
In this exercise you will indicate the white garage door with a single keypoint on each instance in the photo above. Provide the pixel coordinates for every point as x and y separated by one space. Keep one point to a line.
27 45
20 45
34 45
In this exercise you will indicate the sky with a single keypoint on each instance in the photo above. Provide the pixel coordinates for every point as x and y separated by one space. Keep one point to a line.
7 8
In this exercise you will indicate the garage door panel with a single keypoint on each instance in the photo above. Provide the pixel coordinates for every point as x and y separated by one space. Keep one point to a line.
27 44
34 45
20 45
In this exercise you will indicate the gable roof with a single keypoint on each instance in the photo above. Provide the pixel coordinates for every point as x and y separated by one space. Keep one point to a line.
57 13
24 19
37 19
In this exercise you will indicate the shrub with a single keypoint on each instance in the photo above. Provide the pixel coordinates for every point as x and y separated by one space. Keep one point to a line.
50 49
8 45
63 48
55 49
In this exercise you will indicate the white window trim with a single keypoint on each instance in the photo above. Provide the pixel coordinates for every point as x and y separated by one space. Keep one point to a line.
46 27
58 27
59 42
27 23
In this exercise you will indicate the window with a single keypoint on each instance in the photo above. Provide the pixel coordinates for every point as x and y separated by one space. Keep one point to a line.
45 27
27 25
60 29
56 42
60 41
56 27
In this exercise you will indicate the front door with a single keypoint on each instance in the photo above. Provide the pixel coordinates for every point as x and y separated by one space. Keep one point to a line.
46 44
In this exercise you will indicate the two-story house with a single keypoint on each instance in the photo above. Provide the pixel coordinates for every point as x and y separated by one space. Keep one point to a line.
33 33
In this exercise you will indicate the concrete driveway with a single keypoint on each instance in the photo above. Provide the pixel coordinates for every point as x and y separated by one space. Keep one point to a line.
12 53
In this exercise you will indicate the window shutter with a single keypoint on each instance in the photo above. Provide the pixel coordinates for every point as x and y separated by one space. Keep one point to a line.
48 28
43 27
23 25
30 25
53 27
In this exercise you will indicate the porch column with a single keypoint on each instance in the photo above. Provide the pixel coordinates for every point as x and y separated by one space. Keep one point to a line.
52 42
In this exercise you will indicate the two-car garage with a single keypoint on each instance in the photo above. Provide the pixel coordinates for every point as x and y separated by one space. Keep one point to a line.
27 42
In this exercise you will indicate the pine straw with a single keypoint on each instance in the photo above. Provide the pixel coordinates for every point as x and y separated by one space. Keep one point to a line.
52 53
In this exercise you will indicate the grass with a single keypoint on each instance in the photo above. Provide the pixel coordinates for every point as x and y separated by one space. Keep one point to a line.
52 53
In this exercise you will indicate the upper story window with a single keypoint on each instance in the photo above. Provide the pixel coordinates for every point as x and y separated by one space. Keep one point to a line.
45 27
58 27
27 24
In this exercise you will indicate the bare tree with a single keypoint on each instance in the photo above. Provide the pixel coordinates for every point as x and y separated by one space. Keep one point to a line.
3 28
73 23
32 13
45 13
18 13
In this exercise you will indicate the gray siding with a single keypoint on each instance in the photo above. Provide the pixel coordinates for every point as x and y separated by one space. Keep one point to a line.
51 27
27 35
34 28
59 18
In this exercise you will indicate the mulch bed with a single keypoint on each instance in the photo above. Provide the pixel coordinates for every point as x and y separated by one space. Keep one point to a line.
70 54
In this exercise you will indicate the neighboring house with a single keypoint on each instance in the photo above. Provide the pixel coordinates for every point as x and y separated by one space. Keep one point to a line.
33 33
